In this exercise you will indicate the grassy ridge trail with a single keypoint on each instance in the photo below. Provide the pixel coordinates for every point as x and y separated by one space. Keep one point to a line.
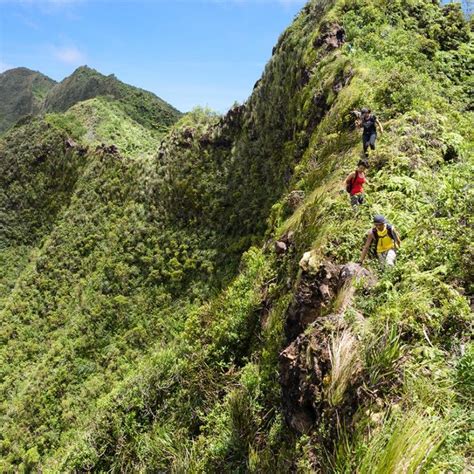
149 323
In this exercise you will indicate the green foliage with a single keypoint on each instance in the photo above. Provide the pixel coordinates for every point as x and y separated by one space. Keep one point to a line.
85 83
69 124
465 374
405 444
103 120
22 93
141 331
382 353
37 179
344 364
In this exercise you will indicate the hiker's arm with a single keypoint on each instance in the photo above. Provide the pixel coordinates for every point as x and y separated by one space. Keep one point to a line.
379 124
366 248
398 242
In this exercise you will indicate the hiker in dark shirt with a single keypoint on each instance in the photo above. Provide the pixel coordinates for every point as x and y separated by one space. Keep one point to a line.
369 123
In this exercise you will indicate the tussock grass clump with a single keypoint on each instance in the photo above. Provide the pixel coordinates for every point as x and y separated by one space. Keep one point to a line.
345 363
381 353
404 445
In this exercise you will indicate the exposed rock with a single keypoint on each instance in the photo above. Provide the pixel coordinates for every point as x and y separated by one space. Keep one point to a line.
280 247
313 295
222 141
70 143
234 115
285 242
355 119
305 76
343 81
295 198
351 270
304 364
310 262
333 37
188 133
205 139
108 149
311 321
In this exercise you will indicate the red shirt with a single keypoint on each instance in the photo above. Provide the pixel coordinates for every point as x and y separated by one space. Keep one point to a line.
357 184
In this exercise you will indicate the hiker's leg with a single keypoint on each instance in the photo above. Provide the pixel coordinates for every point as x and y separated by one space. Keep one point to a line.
390 259
372 139
382 256
365 144
360 198
354 200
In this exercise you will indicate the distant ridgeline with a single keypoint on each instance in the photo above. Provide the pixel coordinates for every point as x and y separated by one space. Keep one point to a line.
156 313
24 92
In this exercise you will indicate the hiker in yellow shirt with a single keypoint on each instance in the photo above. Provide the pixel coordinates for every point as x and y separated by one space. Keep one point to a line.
386 241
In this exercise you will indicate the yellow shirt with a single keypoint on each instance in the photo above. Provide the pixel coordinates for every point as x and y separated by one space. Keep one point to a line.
384 241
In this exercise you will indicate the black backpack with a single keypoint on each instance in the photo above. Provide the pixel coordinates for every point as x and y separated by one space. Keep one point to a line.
351 183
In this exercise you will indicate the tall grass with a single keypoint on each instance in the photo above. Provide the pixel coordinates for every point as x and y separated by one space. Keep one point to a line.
382 352
345 363
405 444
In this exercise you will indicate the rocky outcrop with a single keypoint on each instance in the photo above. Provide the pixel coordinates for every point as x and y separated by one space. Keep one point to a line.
332 37
295 198
312 320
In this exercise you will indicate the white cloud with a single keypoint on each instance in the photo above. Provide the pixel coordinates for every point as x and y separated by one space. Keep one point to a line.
5 66
69 55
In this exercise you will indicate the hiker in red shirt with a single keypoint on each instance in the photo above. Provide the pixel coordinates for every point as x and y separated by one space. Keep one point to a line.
355 182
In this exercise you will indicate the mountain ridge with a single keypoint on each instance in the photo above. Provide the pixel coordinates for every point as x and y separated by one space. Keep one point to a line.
84 83
200 310
22 92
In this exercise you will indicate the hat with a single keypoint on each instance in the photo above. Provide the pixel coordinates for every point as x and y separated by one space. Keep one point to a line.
379 219
364 110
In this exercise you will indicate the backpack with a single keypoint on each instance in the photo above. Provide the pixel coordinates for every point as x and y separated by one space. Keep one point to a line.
390 232
351 183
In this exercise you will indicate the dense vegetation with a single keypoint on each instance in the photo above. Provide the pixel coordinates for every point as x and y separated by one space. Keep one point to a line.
22 93
147 322
25 93
86 83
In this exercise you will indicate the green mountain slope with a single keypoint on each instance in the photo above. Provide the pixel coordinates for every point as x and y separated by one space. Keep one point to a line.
37 177
22 93
103 120
154 328
86 83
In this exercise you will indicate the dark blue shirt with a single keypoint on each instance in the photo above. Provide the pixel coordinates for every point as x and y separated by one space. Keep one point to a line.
369 125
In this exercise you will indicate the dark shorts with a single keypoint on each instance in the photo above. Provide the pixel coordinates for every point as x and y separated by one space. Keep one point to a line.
369 140
357 199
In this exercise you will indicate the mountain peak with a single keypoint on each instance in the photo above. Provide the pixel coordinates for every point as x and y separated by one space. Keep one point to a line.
22 92
87 83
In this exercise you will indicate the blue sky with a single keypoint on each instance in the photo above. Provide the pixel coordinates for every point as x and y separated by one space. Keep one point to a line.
189 52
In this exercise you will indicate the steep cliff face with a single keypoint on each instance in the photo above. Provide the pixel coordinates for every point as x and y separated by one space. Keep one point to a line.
22 92
26 93
164 318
